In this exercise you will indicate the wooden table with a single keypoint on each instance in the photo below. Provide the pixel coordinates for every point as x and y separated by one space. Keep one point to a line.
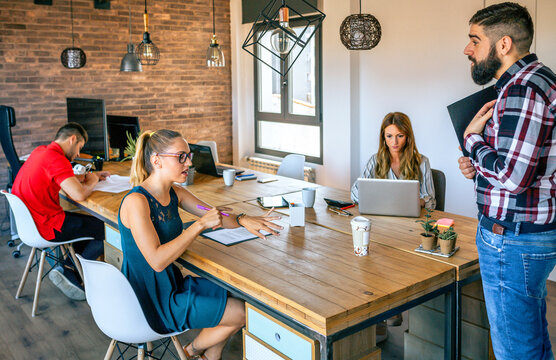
401 233
307 277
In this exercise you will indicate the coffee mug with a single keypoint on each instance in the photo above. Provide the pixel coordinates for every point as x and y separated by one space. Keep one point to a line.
229 176
308 196
98 162
360 230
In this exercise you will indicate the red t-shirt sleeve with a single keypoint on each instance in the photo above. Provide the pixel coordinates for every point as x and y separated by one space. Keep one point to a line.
59 169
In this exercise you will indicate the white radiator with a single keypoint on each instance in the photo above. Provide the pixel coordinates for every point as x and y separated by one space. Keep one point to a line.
271 167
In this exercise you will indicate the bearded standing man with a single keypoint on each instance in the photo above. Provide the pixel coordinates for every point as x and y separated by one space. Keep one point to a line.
512 146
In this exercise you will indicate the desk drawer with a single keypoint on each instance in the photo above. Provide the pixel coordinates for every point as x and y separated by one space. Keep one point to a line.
279 336
113 256
255 349
112 237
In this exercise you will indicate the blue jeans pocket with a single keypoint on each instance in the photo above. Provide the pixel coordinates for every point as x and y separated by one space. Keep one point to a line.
537 268
492 240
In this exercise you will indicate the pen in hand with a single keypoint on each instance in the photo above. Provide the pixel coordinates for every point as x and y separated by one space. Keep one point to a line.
207 209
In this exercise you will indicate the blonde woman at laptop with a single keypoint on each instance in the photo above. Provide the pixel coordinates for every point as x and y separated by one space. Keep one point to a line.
398 158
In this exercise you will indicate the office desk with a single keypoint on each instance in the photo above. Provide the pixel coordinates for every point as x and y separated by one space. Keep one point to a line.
307 278
402 233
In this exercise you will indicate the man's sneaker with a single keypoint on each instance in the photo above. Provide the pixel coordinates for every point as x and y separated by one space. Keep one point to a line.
68 287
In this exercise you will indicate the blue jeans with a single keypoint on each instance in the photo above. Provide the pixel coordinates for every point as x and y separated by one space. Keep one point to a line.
514 270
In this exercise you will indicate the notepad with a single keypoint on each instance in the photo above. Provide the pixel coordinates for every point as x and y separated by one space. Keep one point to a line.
228 237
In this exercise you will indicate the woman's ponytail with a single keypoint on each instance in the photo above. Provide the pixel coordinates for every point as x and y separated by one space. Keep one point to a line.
138 167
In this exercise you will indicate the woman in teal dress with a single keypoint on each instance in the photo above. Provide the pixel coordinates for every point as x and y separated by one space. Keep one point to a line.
153 238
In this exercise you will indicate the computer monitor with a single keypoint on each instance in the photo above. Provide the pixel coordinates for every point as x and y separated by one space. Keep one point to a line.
118 127
91 114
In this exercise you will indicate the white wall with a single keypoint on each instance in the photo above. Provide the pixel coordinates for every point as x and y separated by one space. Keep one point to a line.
417 68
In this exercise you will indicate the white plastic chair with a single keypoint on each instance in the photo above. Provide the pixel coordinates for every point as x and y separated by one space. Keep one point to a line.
30 236
293 166
117 311
213 148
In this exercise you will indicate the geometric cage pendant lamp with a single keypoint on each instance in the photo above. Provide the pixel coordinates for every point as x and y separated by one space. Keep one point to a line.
273 41
130 62
72 57
360 31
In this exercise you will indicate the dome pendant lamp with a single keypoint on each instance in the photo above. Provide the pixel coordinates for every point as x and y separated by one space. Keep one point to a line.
360 31
73 58
147 52
130 62
215 56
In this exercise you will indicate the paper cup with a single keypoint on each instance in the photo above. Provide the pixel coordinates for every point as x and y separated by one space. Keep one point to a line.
229 176
360 230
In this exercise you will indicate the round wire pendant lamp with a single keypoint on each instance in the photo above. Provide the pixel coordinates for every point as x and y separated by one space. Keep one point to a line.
147 52
360 31
72 57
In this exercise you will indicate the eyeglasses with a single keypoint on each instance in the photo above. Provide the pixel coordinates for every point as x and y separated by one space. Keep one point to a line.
182 157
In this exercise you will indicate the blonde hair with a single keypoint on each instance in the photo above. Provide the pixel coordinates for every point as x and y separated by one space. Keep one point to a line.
149 143
410 159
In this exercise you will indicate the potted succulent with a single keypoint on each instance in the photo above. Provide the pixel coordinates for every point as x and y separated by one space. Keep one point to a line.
428 238
447 240
130 148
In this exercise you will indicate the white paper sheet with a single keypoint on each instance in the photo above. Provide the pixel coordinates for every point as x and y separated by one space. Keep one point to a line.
231 236
114 184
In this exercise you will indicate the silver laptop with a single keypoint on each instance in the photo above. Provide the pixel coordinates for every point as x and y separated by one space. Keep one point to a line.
389 197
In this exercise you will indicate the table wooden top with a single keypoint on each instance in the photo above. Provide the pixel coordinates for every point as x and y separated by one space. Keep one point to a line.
399 232
308 273
311 274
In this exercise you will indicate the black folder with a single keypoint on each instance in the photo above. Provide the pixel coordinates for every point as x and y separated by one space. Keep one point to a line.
462 111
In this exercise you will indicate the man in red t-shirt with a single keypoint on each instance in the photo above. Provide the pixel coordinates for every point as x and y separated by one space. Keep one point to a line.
47 170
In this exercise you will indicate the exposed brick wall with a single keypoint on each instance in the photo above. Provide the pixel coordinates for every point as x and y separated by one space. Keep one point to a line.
179 93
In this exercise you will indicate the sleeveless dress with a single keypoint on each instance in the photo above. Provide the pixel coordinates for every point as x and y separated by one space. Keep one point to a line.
170 301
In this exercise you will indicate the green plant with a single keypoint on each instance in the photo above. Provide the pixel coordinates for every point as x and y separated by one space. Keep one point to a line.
428 224
448 234
130 148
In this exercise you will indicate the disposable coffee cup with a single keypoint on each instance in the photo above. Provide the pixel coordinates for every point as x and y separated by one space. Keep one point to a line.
308 196
360 230
297 214
229 176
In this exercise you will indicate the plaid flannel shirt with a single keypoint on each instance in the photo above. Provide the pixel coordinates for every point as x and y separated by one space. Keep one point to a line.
515 158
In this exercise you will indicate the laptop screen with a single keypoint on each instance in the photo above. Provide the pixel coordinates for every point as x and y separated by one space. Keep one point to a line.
202 159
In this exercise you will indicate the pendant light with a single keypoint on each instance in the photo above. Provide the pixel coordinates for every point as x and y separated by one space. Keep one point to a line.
130 62
73 58
271 39
215 56
147 52
282 39
360 31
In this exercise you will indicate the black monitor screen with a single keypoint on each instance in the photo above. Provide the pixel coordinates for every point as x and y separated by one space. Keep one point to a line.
118 127
91 114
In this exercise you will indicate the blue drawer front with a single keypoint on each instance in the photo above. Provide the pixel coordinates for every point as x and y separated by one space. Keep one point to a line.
278 337
113 237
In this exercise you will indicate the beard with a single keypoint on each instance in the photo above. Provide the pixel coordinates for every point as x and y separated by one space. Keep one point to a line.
482 72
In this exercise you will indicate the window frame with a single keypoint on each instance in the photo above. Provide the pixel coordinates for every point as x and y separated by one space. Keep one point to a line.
284 116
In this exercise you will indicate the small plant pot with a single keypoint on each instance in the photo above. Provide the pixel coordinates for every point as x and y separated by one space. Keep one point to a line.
428 242
447 246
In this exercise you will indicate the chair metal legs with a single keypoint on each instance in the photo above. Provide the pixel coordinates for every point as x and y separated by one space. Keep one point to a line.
38 285
110 350
25 273
179 348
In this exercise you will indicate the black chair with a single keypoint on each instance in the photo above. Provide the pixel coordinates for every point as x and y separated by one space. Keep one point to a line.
439 181
7 121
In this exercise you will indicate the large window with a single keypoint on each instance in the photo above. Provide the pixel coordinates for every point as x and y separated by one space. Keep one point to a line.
288 109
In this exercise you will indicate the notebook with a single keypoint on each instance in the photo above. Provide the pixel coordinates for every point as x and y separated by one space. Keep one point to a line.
389 197
204 161
462 111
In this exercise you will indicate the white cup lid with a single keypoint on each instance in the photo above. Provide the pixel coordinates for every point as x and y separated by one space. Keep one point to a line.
361 222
